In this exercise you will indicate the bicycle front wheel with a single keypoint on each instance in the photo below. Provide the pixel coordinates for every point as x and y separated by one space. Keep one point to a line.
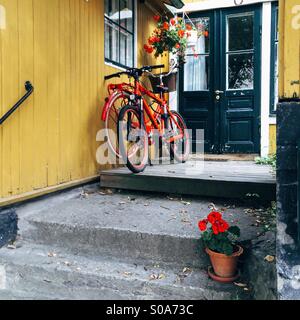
116 102
133 139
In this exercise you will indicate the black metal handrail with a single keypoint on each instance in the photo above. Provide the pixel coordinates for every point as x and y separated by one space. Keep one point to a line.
29 88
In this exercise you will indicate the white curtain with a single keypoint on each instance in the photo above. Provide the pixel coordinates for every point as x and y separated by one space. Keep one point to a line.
195 71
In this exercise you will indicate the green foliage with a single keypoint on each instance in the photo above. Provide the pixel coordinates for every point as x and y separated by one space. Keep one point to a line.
271 161
224 243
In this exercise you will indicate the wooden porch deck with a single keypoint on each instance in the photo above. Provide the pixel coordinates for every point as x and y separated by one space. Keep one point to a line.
223 179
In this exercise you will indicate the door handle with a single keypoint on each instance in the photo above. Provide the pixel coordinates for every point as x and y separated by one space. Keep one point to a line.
219 92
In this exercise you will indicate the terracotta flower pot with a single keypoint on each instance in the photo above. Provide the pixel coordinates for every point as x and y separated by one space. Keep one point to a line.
225 266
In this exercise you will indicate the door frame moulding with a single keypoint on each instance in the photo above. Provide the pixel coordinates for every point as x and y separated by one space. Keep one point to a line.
217 4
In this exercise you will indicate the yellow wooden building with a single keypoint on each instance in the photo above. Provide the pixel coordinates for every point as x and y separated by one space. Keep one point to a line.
58 45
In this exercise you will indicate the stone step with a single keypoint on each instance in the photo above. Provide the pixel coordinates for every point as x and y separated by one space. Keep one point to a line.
44 272
131 225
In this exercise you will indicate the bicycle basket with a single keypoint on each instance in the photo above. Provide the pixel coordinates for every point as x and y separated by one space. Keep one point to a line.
169 81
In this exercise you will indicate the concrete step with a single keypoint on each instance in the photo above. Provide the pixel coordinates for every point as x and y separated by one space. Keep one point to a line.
44 272
131 225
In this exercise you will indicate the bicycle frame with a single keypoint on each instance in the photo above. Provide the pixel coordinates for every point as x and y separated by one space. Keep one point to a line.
140 91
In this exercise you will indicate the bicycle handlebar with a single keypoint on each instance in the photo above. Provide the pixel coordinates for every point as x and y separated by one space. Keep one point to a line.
134 71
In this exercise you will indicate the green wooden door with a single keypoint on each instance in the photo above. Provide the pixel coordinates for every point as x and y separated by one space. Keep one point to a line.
220 82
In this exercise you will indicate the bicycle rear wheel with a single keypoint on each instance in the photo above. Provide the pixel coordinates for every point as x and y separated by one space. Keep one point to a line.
179 148
133 139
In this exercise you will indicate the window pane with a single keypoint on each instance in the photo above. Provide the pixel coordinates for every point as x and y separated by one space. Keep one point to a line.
241 35
111 41
126 52
130 53
196 73
240 71
126 14
202 46
112 10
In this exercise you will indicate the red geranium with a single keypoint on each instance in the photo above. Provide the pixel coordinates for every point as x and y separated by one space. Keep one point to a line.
214 216
189 27
181 33
148 49
166 26
202 225
152 40
157 18
220 237
173 22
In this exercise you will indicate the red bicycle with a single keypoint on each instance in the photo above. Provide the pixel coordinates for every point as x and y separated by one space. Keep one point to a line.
143 118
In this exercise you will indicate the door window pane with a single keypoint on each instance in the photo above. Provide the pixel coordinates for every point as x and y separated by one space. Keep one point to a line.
196 73
197 68
240 33
240 51
240 71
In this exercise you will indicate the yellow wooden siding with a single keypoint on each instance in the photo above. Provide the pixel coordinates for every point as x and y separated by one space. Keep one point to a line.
272 149
289 44
59 46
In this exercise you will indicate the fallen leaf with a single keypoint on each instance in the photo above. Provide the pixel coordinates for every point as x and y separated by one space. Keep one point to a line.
52 255
270 258
48 281
186 203
105 192
185 221
165 208
241 285
183 211
161 277
153 277
127 274
186 270
84 195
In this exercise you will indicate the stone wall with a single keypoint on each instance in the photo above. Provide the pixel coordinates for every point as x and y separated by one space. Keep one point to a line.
288 257
8 226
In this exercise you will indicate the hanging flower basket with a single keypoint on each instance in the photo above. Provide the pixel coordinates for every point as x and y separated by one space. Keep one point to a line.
171 36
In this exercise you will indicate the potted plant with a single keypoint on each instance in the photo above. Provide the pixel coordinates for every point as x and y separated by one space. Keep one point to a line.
220 242
170 36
